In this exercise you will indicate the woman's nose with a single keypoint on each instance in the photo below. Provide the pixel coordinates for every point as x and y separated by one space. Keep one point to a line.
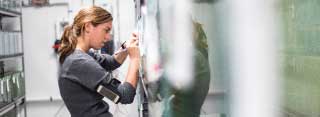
107 37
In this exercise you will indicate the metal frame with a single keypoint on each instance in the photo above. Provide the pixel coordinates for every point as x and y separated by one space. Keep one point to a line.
18 101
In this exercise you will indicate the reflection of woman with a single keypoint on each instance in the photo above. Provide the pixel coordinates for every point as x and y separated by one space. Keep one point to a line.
188 103
81 72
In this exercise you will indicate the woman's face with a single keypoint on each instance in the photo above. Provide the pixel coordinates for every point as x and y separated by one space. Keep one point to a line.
99 35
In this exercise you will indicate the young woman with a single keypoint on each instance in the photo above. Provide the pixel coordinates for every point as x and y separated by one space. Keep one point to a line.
82 72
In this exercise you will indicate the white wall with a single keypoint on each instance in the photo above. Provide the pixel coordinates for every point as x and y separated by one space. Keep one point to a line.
126 18
41 67
40 59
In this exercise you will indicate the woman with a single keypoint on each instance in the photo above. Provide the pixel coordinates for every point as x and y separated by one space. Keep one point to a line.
82 72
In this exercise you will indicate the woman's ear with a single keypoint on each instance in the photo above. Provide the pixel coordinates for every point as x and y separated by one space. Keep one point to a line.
88 27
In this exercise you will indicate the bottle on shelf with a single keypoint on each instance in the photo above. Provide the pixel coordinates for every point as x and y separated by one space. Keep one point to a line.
9 91
6 43
10 43
1 44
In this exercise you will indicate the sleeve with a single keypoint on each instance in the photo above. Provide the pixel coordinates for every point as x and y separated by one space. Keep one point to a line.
106 61
201 65
90 74
125 90
127 93
87 72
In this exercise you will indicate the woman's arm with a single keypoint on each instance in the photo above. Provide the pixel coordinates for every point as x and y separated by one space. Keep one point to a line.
134 55
120 55
127 89
106 61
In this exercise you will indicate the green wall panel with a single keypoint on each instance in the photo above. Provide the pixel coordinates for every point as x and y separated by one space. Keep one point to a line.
301 20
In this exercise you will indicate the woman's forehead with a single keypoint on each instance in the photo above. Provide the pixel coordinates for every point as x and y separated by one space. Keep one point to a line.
107 24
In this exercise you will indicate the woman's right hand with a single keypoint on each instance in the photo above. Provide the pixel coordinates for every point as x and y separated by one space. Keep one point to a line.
134 55
132 46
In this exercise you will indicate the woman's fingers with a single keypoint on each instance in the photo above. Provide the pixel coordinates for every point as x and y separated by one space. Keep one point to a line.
136 42
133 49
135 34
134 39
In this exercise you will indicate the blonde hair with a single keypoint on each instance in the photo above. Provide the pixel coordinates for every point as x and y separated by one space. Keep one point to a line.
94 15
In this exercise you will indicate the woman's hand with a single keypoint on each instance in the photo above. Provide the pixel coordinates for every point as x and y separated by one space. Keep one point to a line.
134 54
132 47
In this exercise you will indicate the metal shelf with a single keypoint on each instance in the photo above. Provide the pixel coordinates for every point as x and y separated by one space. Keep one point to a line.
11 31
9 13
7 108
11 56
17 102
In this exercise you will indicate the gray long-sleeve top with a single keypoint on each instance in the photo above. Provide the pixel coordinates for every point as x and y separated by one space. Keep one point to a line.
80 75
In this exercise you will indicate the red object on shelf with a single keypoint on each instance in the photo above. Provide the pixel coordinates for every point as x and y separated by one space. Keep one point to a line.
56 46
39 2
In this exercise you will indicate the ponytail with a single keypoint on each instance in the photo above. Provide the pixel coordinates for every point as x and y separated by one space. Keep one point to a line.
68 43
95 15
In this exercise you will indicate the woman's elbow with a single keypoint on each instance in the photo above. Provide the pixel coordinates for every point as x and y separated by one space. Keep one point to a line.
127 99
127 92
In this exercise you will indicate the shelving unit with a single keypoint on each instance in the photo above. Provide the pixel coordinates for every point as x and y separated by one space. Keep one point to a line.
11 56
9 13
12 88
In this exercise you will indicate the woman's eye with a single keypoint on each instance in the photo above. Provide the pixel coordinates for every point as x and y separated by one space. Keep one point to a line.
107 30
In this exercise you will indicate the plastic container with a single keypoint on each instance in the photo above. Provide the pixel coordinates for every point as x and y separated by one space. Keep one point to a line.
5 4
3 90
19 42
18 5
8 87
1 44
14 86
22 84
6 43
10 43
15 45
2 97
